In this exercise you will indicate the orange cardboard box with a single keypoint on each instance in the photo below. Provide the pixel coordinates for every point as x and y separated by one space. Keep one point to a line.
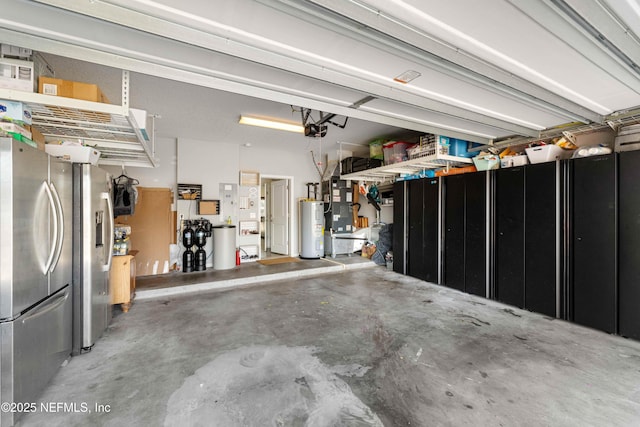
71 89
37 137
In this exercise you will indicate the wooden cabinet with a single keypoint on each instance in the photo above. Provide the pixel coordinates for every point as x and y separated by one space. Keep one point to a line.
122 280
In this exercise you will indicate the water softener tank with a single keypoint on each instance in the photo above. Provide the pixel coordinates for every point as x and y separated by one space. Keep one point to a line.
188 255
311 229
200 263
187 236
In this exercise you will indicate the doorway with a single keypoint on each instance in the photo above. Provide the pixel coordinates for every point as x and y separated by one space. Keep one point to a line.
276 215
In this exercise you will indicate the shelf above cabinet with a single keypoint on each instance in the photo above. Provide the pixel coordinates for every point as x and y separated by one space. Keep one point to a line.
110 129
390 172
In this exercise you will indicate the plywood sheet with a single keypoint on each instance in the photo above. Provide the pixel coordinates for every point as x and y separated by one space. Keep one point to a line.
152 229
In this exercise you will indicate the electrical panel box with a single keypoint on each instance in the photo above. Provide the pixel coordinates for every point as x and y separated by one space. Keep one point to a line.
229 205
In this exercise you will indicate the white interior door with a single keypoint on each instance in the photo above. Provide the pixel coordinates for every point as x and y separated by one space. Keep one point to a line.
280 217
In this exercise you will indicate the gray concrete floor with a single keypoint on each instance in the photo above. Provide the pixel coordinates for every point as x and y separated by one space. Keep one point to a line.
361 347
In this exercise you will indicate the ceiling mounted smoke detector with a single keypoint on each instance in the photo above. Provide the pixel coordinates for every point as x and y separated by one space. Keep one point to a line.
407 76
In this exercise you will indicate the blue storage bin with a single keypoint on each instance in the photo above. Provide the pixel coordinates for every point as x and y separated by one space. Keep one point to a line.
459 147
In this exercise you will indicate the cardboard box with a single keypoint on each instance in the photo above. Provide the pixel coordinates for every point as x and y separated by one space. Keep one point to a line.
14 111
38 138
71 89
73 153
16 74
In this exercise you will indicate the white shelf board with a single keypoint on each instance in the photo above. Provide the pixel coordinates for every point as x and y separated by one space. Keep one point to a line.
389 172
109 128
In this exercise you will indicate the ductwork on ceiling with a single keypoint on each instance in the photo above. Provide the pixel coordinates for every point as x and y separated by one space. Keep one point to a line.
497 70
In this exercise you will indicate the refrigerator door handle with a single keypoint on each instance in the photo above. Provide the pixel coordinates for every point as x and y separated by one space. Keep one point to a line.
60 216
52 252
49 306
107 197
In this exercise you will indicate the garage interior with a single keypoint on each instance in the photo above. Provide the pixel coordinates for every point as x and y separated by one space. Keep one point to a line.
513 293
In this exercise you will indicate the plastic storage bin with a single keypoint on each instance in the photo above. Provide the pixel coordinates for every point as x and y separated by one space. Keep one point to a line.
513 161
73 153
375 149
488 162
460 147
546 153
395 151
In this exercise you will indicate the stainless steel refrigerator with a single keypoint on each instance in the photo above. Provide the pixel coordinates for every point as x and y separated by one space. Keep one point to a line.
35 271
93 247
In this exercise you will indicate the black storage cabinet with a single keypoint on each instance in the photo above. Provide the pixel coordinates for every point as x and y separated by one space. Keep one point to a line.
629 245
509 236
543 235
399 239
465 232
592 242
527 237
423 229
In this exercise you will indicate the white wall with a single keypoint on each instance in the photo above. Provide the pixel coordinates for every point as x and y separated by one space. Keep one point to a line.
280 160
208 163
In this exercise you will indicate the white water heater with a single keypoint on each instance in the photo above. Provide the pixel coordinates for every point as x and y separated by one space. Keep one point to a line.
311 229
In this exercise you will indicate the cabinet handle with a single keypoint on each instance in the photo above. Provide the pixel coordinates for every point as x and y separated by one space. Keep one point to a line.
579 239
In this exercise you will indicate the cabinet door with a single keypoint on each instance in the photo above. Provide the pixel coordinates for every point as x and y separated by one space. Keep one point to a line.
454 187
399 235
629 244
541 233
509 239
475 253
415 256
593 241
430 228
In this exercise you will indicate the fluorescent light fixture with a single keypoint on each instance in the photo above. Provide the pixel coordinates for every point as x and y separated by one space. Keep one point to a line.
271 124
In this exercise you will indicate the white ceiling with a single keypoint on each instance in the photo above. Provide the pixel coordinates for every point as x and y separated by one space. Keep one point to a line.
194 112
489 70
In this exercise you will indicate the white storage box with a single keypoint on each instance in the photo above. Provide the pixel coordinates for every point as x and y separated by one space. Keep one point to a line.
140 117
73 153
488 162
513 161
16 74
15 51
547 153
14 111
12 127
